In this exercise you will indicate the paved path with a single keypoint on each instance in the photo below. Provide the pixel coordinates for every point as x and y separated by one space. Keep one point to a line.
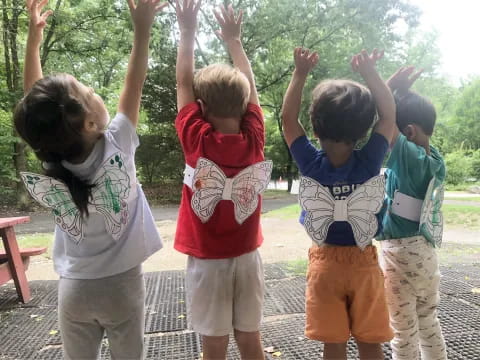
43 222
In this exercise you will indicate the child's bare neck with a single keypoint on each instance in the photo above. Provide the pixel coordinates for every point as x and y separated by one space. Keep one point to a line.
229 125
338 153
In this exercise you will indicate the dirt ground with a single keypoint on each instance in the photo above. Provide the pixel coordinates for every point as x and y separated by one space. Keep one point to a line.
285 240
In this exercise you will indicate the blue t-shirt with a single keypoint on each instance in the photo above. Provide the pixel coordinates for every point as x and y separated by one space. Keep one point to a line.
362 165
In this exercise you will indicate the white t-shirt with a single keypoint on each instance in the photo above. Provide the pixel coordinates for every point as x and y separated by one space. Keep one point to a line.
120 232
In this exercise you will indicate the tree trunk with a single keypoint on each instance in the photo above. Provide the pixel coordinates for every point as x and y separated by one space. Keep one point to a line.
12 72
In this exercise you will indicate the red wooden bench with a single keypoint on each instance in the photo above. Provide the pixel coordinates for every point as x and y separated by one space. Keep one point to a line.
13 261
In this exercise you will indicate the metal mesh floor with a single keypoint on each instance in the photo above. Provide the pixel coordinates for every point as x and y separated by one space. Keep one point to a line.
31 331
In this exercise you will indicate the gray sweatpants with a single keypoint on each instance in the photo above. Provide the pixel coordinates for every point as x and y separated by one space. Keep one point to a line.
115 305
412 281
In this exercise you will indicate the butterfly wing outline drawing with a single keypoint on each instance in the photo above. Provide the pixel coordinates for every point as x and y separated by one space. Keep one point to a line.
109 197
210 185
431 218
247 185
363 205
110 194
55 195
319 205
359 209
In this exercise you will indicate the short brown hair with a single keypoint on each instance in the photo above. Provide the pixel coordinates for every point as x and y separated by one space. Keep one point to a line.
342 110
224 90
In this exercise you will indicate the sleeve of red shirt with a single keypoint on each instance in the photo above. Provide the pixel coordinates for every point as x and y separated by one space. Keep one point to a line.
254 124
191 126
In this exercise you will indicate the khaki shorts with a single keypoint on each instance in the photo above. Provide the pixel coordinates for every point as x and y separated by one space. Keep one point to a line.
225 294
345 295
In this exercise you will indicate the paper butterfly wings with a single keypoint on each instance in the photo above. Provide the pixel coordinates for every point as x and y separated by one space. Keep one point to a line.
431 218
358 209
210 185
54 194
109 197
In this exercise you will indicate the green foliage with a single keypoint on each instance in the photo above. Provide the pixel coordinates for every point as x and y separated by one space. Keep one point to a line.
459 167
91 39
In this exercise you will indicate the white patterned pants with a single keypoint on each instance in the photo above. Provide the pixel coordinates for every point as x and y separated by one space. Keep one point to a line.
412 280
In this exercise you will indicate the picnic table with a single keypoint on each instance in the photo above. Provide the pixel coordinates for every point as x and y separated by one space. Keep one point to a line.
13 261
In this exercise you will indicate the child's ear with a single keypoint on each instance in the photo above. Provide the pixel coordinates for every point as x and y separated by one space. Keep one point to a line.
410 132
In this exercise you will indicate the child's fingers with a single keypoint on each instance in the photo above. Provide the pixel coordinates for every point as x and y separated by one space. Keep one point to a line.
363 55
231 13
161 6
131 4
354 62
219 34
46 15
239 18
224 12
41 4
219 18
416 75
197 6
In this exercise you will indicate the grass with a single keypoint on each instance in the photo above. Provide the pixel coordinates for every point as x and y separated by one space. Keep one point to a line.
36 240
460 198
275 194
297 267
462 216
284 213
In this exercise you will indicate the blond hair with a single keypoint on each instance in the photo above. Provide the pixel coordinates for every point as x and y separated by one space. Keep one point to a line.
224 90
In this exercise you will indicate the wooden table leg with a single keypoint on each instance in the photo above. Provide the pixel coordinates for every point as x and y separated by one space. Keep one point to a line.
16 264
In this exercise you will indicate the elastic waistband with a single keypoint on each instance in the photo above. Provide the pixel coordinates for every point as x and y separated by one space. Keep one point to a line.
344 254
414 241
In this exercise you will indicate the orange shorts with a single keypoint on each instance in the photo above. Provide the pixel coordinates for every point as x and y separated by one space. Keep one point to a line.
345 295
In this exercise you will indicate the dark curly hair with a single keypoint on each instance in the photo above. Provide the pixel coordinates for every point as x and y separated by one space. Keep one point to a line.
413 108
342 110
50 119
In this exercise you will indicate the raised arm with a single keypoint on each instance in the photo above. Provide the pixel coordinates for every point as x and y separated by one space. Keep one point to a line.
403 79
365 65
400 83
142 15
231 33
304 63
187 22
32 68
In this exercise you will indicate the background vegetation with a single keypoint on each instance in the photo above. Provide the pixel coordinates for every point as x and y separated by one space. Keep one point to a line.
91 39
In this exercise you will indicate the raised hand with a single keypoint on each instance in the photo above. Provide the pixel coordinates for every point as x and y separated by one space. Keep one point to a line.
364 63
143 13
403 79
304 60
38 20
230 24
187 15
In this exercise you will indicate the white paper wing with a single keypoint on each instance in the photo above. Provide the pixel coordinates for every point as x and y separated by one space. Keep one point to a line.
110 194
363 204
55 195
431 218
207 185
319 205
247 185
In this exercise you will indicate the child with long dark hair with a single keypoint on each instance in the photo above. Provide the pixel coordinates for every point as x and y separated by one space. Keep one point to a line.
104 226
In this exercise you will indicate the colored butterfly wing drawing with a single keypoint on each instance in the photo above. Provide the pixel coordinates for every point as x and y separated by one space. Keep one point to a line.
207 185
110 194
319 205
363 204
431 218
247 185
55 195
